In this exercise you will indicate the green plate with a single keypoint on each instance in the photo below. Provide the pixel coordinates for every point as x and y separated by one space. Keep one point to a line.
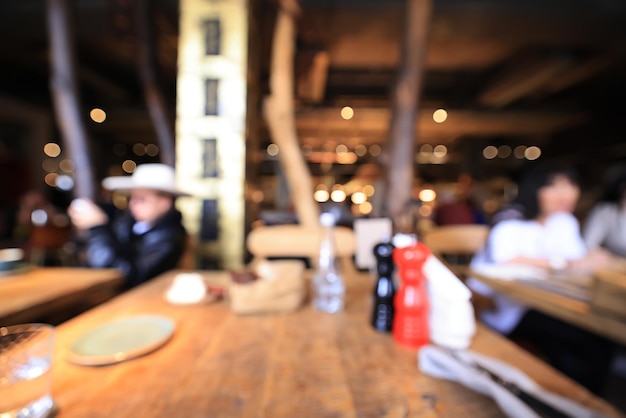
121 340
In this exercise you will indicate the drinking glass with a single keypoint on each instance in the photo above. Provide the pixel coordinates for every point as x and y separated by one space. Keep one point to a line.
25 370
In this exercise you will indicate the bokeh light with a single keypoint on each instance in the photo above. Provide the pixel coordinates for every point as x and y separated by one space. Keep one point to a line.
338 196
347 112
440 151
98 115
52 150
321 196
358 198
532 153
272 150
129 166
427 195
440 115
490 152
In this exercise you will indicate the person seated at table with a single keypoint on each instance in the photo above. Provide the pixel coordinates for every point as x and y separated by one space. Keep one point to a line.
605 226
540 230
144 241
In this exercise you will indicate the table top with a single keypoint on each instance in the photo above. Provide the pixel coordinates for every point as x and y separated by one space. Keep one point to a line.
299 364
576 311
33 292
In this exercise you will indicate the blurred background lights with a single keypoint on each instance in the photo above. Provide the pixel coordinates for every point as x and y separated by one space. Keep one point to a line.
347 158
504 151
272 150
65 182
51 149
321 196
425 211
39 217
97 115
365 208
139 149
341 148
152 150
427 195
66 165
129 166
338 196
519 151
360 150
426 149
347 112
368 190
532 153
375 150
49 165
358 198
490 152
440 115
51 179
440 151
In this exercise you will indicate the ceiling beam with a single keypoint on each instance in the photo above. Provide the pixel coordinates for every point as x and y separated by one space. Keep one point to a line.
522 79
370 124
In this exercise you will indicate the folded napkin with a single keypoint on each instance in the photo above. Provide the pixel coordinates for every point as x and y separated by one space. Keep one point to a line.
452 321
464 366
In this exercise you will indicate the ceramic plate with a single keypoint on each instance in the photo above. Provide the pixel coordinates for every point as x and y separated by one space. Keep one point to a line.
121 340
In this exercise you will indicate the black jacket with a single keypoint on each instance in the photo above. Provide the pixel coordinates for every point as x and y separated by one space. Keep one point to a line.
139 257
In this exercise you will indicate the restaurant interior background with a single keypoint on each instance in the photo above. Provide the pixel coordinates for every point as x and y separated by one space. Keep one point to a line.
505 83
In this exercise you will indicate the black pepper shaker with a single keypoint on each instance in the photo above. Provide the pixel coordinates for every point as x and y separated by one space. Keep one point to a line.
384 290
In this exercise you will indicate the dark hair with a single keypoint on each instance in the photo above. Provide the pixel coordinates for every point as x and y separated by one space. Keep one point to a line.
533 180
615 188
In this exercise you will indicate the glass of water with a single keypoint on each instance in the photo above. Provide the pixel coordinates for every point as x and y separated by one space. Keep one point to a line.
25 370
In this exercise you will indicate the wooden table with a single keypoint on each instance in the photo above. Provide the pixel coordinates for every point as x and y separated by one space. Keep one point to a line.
574 311
40 293
303 364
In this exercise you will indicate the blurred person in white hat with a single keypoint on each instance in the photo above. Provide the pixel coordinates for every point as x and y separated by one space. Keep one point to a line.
147 239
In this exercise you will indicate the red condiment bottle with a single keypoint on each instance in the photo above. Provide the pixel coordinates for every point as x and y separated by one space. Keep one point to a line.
410 323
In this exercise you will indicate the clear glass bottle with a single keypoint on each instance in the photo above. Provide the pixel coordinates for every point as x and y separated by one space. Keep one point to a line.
328 286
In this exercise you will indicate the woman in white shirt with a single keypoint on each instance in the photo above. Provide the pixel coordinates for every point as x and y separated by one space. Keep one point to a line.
606 224
544 234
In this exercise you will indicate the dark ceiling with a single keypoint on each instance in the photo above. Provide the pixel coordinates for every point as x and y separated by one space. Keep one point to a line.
509 72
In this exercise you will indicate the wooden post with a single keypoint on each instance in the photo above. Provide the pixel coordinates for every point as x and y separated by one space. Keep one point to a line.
400 146
155 101
66 98
279 114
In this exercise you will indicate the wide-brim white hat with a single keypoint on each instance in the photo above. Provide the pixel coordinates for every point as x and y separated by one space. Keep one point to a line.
159 177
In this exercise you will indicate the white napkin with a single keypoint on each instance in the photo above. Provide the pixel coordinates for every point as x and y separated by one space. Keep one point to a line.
452 320
510 271
438 362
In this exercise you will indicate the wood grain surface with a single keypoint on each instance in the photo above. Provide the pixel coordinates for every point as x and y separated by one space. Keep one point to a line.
302 364
38 293
576 312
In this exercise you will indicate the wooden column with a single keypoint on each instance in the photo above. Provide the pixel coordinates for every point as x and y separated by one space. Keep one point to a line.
279 115
66 98
401 143
210 126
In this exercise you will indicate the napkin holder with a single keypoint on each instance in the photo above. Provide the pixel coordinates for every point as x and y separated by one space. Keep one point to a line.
280 287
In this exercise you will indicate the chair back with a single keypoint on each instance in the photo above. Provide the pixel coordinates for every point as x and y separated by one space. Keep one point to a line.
297 241
456 244
456 239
